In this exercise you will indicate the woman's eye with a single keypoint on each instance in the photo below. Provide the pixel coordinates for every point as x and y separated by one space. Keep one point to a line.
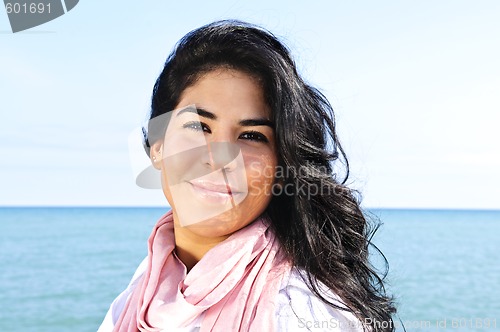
254 136
196 126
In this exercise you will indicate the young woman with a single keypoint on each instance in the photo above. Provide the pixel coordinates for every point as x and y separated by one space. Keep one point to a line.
262 235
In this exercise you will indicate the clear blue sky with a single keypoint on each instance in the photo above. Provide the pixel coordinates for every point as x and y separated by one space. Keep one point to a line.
416 88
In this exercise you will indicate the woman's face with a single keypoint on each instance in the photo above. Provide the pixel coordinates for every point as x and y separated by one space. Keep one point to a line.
219 156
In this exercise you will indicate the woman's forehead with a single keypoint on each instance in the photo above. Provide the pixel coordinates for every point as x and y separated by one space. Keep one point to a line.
227 92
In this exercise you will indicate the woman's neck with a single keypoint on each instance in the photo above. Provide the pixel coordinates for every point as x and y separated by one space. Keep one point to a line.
191 247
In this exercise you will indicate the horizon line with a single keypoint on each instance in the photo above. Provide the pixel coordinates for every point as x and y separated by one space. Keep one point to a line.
418 208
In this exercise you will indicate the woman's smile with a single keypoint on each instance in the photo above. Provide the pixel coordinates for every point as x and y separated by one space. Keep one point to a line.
213 192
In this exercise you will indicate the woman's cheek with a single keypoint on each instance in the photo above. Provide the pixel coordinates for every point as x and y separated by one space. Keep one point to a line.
260 174
182 159
181 141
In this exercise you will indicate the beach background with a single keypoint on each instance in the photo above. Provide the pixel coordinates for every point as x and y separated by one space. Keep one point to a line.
62 267
415 89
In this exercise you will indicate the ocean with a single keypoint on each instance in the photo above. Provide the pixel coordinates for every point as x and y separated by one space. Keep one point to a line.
60 268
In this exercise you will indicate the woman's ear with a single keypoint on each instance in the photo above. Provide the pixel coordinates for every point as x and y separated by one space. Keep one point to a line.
155 154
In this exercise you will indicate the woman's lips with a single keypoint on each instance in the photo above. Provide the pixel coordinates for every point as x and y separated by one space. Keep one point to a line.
213 192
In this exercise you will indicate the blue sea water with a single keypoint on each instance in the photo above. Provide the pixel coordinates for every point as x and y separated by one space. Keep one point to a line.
445 267
60 268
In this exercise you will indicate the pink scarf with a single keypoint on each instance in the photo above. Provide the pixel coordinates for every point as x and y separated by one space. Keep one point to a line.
236 284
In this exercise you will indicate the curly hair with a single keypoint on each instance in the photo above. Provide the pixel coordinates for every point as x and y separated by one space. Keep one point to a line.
325 233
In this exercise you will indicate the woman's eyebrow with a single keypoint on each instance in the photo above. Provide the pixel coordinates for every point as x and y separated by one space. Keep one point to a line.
200 111
257 122
209 115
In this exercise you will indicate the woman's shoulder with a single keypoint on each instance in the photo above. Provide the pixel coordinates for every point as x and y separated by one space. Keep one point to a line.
300 309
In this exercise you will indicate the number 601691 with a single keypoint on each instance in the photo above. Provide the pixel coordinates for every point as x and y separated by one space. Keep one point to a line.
25 8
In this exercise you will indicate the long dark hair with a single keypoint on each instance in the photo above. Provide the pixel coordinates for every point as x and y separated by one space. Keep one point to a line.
318 219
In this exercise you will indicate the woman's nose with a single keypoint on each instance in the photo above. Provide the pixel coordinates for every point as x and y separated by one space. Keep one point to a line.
221 155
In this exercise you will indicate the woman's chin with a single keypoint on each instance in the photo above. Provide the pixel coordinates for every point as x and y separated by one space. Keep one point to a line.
213 227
